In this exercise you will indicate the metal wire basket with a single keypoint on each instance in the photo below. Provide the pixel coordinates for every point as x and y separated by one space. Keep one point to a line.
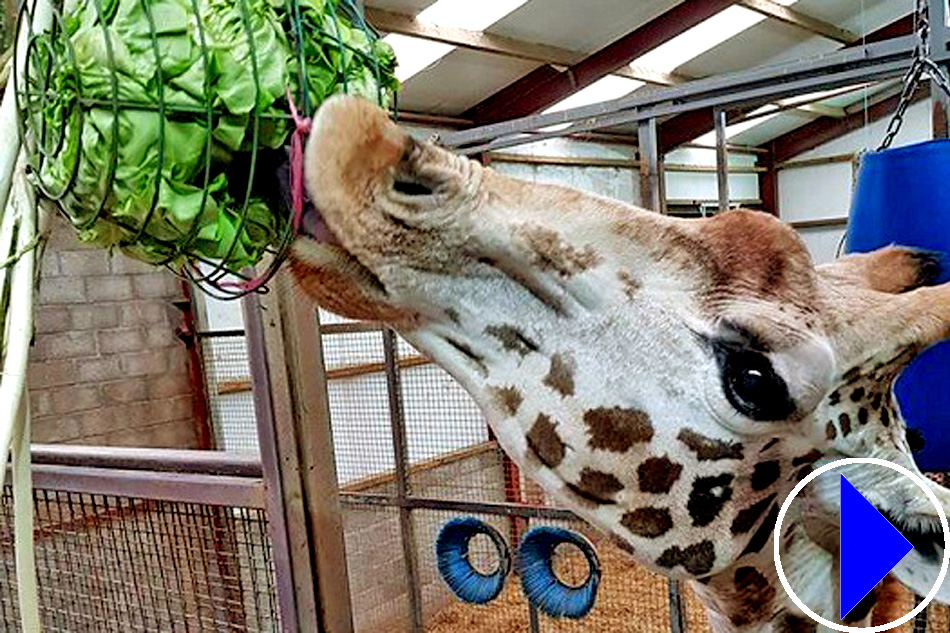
160 126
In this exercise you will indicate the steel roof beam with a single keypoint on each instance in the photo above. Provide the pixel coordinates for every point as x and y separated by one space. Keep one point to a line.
526 96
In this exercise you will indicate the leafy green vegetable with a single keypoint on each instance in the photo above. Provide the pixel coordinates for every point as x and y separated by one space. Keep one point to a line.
146 117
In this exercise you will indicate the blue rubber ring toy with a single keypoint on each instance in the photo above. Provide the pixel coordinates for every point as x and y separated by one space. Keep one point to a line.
542 586
451 551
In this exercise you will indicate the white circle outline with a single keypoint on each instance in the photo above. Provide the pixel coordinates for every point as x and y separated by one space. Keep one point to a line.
930 495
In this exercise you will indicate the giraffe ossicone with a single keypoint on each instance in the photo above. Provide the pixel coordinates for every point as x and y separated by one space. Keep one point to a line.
669 380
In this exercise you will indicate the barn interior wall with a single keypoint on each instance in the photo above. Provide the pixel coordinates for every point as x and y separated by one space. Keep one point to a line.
822 192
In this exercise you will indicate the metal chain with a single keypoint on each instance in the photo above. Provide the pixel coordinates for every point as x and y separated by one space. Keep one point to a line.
921 65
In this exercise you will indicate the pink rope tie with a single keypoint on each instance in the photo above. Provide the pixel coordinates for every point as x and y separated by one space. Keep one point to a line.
302 127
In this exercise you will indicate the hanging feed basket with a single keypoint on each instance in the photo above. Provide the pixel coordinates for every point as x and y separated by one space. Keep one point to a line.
160 127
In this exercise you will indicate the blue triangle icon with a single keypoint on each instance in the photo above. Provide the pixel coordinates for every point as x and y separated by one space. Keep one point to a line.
869 547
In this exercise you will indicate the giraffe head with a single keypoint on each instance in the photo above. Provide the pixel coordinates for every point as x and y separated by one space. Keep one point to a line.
669 380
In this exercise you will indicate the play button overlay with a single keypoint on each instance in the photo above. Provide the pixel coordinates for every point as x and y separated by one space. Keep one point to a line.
874 546
870 547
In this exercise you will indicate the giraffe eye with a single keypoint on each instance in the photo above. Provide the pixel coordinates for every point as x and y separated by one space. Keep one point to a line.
752 386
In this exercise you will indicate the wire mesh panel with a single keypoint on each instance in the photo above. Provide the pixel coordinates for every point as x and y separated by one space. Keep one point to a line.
119 564
230 395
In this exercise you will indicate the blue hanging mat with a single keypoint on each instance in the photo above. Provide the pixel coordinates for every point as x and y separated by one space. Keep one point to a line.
542 586
903 197
452 557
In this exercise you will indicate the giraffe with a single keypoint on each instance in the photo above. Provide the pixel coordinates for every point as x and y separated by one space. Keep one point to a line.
668 380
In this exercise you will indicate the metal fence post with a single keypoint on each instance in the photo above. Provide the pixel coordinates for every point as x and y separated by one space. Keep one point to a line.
677 625
297 457
407 534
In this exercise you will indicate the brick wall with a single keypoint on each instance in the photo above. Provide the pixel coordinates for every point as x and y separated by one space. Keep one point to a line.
106 367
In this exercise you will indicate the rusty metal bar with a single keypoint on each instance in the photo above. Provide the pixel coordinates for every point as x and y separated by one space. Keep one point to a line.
401 452
216 490
220 334
187 334
471 507
153 459
350 328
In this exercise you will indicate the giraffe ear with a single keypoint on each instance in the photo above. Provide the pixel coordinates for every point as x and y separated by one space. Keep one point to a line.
892 269
870 324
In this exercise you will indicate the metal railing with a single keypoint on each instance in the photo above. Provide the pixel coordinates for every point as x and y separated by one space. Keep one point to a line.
146 540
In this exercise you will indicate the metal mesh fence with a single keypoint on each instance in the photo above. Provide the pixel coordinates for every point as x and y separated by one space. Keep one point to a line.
108 563
230 395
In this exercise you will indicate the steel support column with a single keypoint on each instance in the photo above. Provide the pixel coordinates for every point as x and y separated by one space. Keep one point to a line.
722 159
651 167
768 185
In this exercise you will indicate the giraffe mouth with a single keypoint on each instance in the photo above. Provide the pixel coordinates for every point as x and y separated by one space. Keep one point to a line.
315 227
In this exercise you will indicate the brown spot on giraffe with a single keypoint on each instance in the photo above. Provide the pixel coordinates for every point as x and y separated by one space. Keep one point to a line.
509 399
830 431
707 498
616 429
512 339
658 474
552 253
765 474
709 449
560 376
753 597
772 442
648 522
876 400
761 536
844 421
697 559
631 286
544 440
596 486
808 458
745 520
